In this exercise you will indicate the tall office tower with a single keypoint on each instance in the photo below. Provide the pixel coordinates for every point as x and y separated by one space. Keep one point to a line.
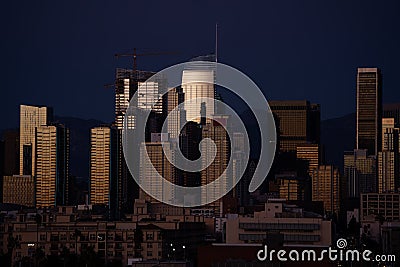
298 123
325 187
310 153
126 84
31 117
157 164
215 130
388 158
19 189
198 83
52 165
289 186
392 111
11 149
369 110
172 99
189 140
149 94
390 135
103 169
239 164
360 172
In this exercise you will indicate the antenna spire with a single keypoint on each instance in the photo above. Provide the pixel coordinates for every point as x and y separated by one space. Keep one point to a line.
216 42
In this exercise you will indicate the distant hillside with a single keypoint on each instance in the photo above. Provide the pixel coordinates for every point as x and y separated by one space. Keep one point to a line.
337 136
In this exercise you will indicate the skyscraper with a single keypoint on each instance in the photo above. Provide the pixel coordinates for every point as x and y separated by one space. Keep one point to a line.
392 111
149 94
19 189
172 99
157 164
310 153
103 168
52 165
369 110
289 186
31 117
360 172
325 187
388 158
215 130
126 85
11 149
189 140
196 84
298 123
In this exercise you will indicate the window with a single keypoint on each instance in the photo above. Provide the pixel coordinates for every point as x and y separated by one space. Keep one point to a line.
149 253
92 237
149 245
54 237
149 236
42 237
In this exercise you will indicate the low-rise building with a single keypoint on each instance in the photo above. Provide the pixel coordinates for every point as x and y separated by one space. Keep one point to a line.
278 222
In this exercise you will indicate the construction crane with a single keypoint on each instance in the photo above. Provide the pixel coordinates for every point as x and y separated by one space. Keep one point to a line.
134 55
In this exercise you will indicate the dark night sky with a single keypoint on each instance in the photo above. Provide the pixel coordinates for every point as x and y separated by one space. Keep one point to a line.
61 53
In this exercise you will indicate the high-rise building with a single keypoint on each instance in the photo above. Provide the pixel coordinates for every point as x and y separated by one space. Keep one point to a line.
239 165
103 168
388 171
215 130
31 117
196 84
126 85
52 165
156 164
19 189
11 149
189 140
289 186
149 94
310 153
388 158
298 123
389 134
172 99
392 111
360 172
369 110
325 187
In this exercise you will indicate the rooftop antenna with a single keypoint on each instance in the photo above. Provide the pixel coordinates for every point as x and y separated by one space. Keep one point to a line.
216 42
